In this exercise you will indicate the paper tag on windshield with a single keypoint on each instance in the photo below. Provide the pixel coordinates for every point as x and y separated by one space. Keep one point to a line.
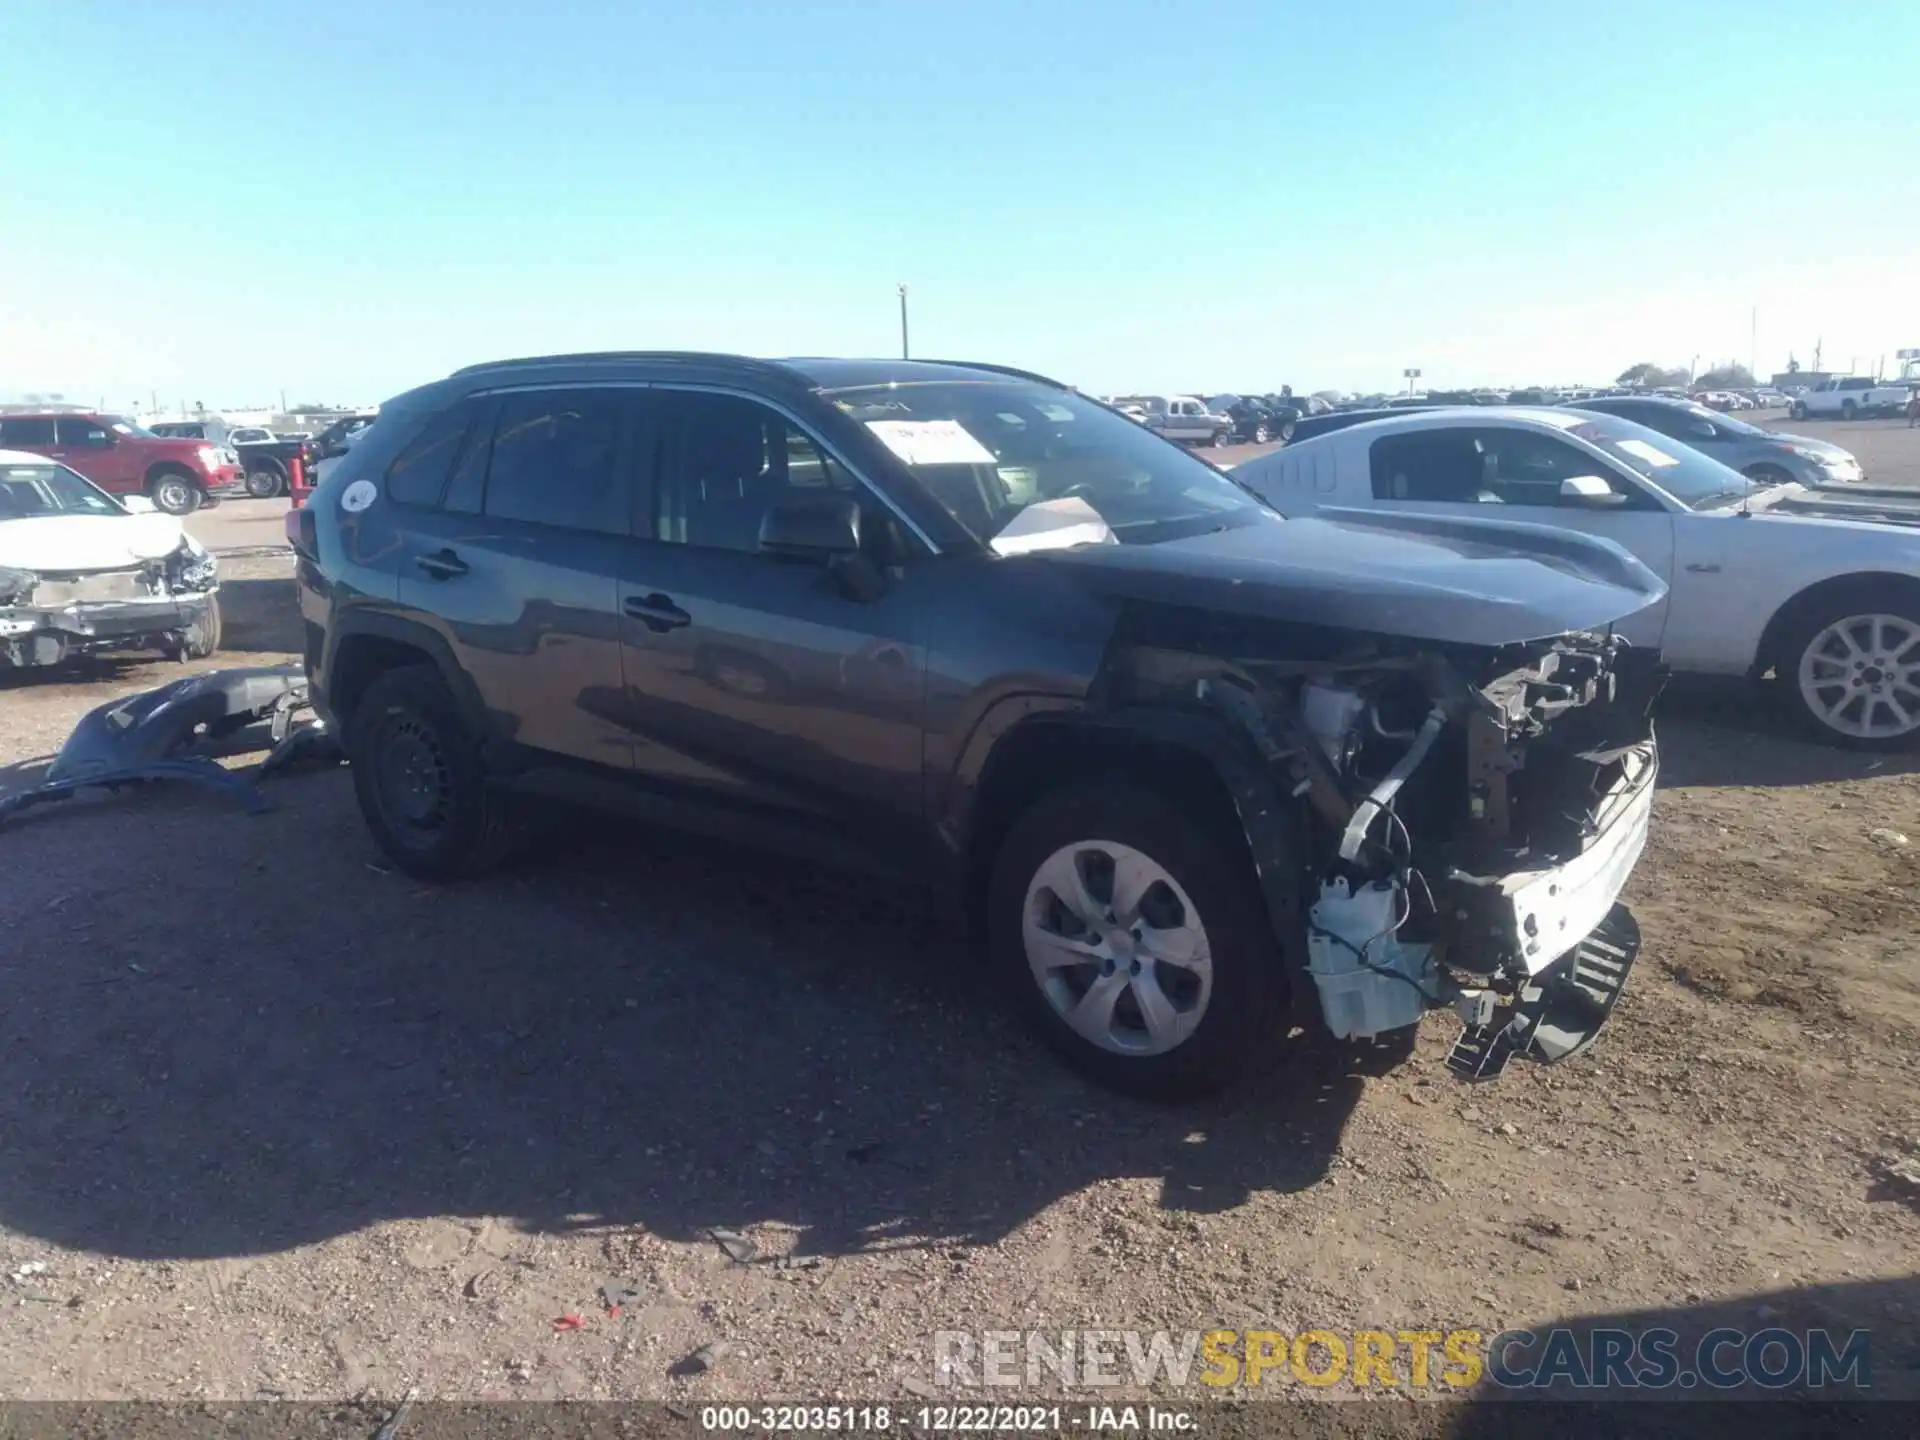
1646 452
931 442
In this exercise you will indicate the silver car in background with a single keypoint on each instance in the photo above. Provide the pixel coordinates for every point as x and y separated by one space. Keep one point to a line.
1766 456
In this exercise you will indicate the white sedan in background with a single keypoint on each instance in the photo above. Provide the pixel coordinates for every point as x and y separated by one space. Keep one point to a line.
1820 587
82 570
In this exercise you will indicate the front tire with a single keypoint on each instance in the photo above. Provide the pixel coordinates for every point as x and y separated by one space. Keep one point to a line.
174 492
204 641
1132 935
1222 439
420 778
1849 411
1851 670
1262 433
1797 411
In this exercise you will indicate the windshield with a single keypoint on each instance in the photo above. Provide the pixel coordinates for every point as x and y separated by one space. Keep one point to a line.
29 490
987 450
1697 482
1726 422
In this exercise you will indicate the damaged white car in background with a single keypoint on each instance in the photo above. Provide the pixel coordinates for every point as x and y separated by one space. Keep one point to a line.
82 570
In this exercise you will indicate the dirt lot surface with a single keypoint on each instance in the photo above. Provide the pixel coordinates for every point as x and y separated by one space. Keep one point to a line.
283 1123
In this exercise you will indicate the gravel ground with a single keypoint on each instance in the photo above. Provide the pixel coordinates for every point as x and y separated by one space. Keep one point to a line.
283 1123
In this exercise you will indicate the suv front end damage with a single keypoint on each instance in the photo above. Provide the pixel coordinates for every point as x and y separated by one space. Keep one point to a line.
1469 816
158 604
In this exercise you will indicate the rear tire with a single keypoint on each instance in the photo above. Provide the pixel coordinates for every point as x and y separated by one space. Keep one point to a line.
207 642
420 778
264 484
1176 884
174 492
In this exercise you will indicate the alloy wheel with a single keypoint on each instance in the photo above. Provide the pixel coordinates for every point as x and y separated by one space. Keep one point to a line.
1860 676
1117 947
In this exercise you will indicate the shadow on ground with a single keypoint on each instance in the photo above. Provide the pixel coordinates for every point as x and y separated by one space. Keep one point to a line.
1858 1338
1739 733
243 1033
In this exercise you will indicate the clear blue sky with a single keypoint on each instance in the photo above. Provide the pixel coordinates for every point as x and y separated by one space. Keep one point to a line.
339 200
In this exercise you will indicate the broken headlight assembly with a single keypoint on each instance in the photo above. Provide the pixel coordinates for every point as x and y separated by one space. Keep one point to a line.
17 586
191 568
1470 817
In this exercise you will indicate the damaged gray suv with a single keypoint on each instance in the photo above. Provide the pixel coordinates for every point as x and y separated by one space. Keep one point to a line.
1201 776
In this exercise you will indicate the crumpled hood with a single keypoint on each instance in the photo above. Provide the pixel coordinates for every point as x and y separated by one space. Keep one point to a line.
64 543
1465 581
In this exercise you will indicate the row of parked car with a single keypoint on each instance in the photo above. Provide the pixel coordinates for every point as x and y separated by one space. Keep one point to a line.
180 466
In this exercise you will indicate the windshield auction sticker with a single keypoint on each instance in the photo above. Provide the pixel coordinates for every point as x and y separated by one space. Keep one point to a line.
1646 452
931 442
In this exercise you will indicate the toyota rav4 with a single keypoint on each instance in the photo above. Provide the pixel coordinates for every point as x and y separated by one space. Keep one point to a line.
1201 775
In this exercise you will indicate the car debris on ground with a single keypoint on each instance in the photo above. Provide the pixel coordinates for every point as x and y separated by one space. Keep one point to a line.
169 733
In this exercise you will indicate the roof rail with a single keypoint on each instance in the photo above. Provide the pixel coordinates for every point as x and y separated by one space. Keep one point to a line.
1014 371
589 357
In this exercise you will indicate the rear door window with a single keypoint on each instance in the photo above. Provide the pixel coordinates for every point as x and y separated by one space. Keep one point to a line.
28 431
557 461
1429 465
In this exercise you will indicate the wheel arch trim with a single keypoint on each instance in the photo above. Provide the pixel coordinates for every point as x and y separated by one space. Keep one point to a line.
364 625
1270 821
1768 653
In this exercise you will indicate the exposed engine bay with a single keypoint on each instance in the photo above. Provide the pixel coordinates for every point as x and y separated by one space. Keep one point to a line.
1469 817
150 604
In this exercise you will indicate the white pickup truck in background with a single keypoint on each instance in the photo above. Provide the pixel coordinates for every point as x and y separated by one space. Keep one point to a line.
1851 396
1185 418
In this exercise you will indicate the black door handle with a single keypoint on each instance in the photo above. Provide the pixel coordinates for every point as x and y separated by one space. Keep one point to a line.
657 611
443 565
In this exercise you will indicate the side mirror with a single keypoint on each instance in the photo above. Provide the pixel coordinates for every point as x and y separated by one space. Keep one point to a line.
136 505
1590 491
812 527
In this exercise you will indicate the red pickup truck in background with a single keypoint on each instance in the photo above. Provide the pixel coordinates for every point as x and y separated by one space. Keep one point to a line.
121 458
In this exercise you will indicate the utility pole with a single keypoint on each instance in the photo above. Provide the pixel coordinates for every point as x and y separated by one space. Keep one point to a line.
1693 369
1818 342
903 322
1753 346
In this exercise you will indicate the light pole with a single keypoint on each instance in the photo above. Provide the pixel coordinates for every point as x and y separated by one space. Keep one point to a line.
1410 374
903 322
